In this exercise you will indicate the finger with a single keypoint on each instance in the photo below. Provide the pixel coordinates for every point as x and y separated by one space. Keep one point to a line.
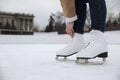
73 32
69 33
72 35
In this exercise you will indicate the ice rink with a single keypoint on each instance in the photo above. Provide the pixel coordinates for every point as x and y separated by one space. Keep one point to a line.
33 58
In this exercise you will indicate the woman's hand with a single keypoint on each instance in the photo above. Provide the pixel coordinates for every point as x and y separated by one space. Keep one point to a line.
69 29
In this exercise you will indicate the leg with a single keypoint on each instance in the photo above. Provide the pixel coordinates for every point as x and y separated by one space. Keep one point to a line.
81 14
98 14
97 45
77 42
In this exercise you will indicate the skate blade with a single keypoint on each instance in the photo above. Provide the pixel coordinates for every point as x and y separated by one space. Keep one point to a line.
90 62
59 58
64 56
82 61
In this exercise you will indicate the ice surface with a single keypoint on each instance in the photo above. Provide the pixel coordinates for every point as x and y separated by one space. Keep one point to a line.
37 61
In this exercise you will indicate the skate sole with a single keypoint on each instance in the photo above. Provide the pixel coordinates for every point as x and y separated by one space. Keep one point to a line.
103 55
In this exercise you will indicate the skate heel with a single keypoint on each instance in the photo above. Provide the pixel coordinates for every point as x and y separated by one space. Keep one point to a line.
103 55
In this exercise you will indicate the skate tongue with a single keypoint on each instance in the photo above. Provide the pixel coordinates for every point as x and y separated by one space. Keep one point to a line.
96 32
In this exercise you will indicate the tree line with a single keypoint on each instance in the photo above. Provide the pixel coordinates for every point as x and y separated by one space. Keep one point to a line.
57 23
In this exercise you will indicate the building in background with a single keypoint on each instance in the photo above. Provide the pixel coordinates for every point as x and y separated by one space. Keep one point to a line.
16 23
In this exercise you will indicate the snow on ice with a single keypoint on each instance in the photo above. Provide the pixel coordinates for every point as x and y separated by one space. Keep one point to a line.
33 58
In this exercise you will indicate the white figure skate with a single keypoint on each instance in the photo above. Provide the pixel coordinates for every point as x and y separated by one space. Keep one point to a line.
73 47
97 47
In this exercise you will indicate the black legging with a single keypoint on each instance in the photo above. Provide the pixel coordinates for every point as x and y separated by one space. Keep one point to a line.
97 13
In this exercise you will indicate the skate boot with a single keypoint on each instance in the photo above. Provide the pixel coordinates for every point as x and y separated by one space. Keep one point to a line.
97 47
73 47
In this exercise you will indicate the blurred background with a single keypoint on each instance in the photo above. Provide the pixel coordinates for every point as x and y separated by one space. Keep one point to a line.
32 31
48 16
